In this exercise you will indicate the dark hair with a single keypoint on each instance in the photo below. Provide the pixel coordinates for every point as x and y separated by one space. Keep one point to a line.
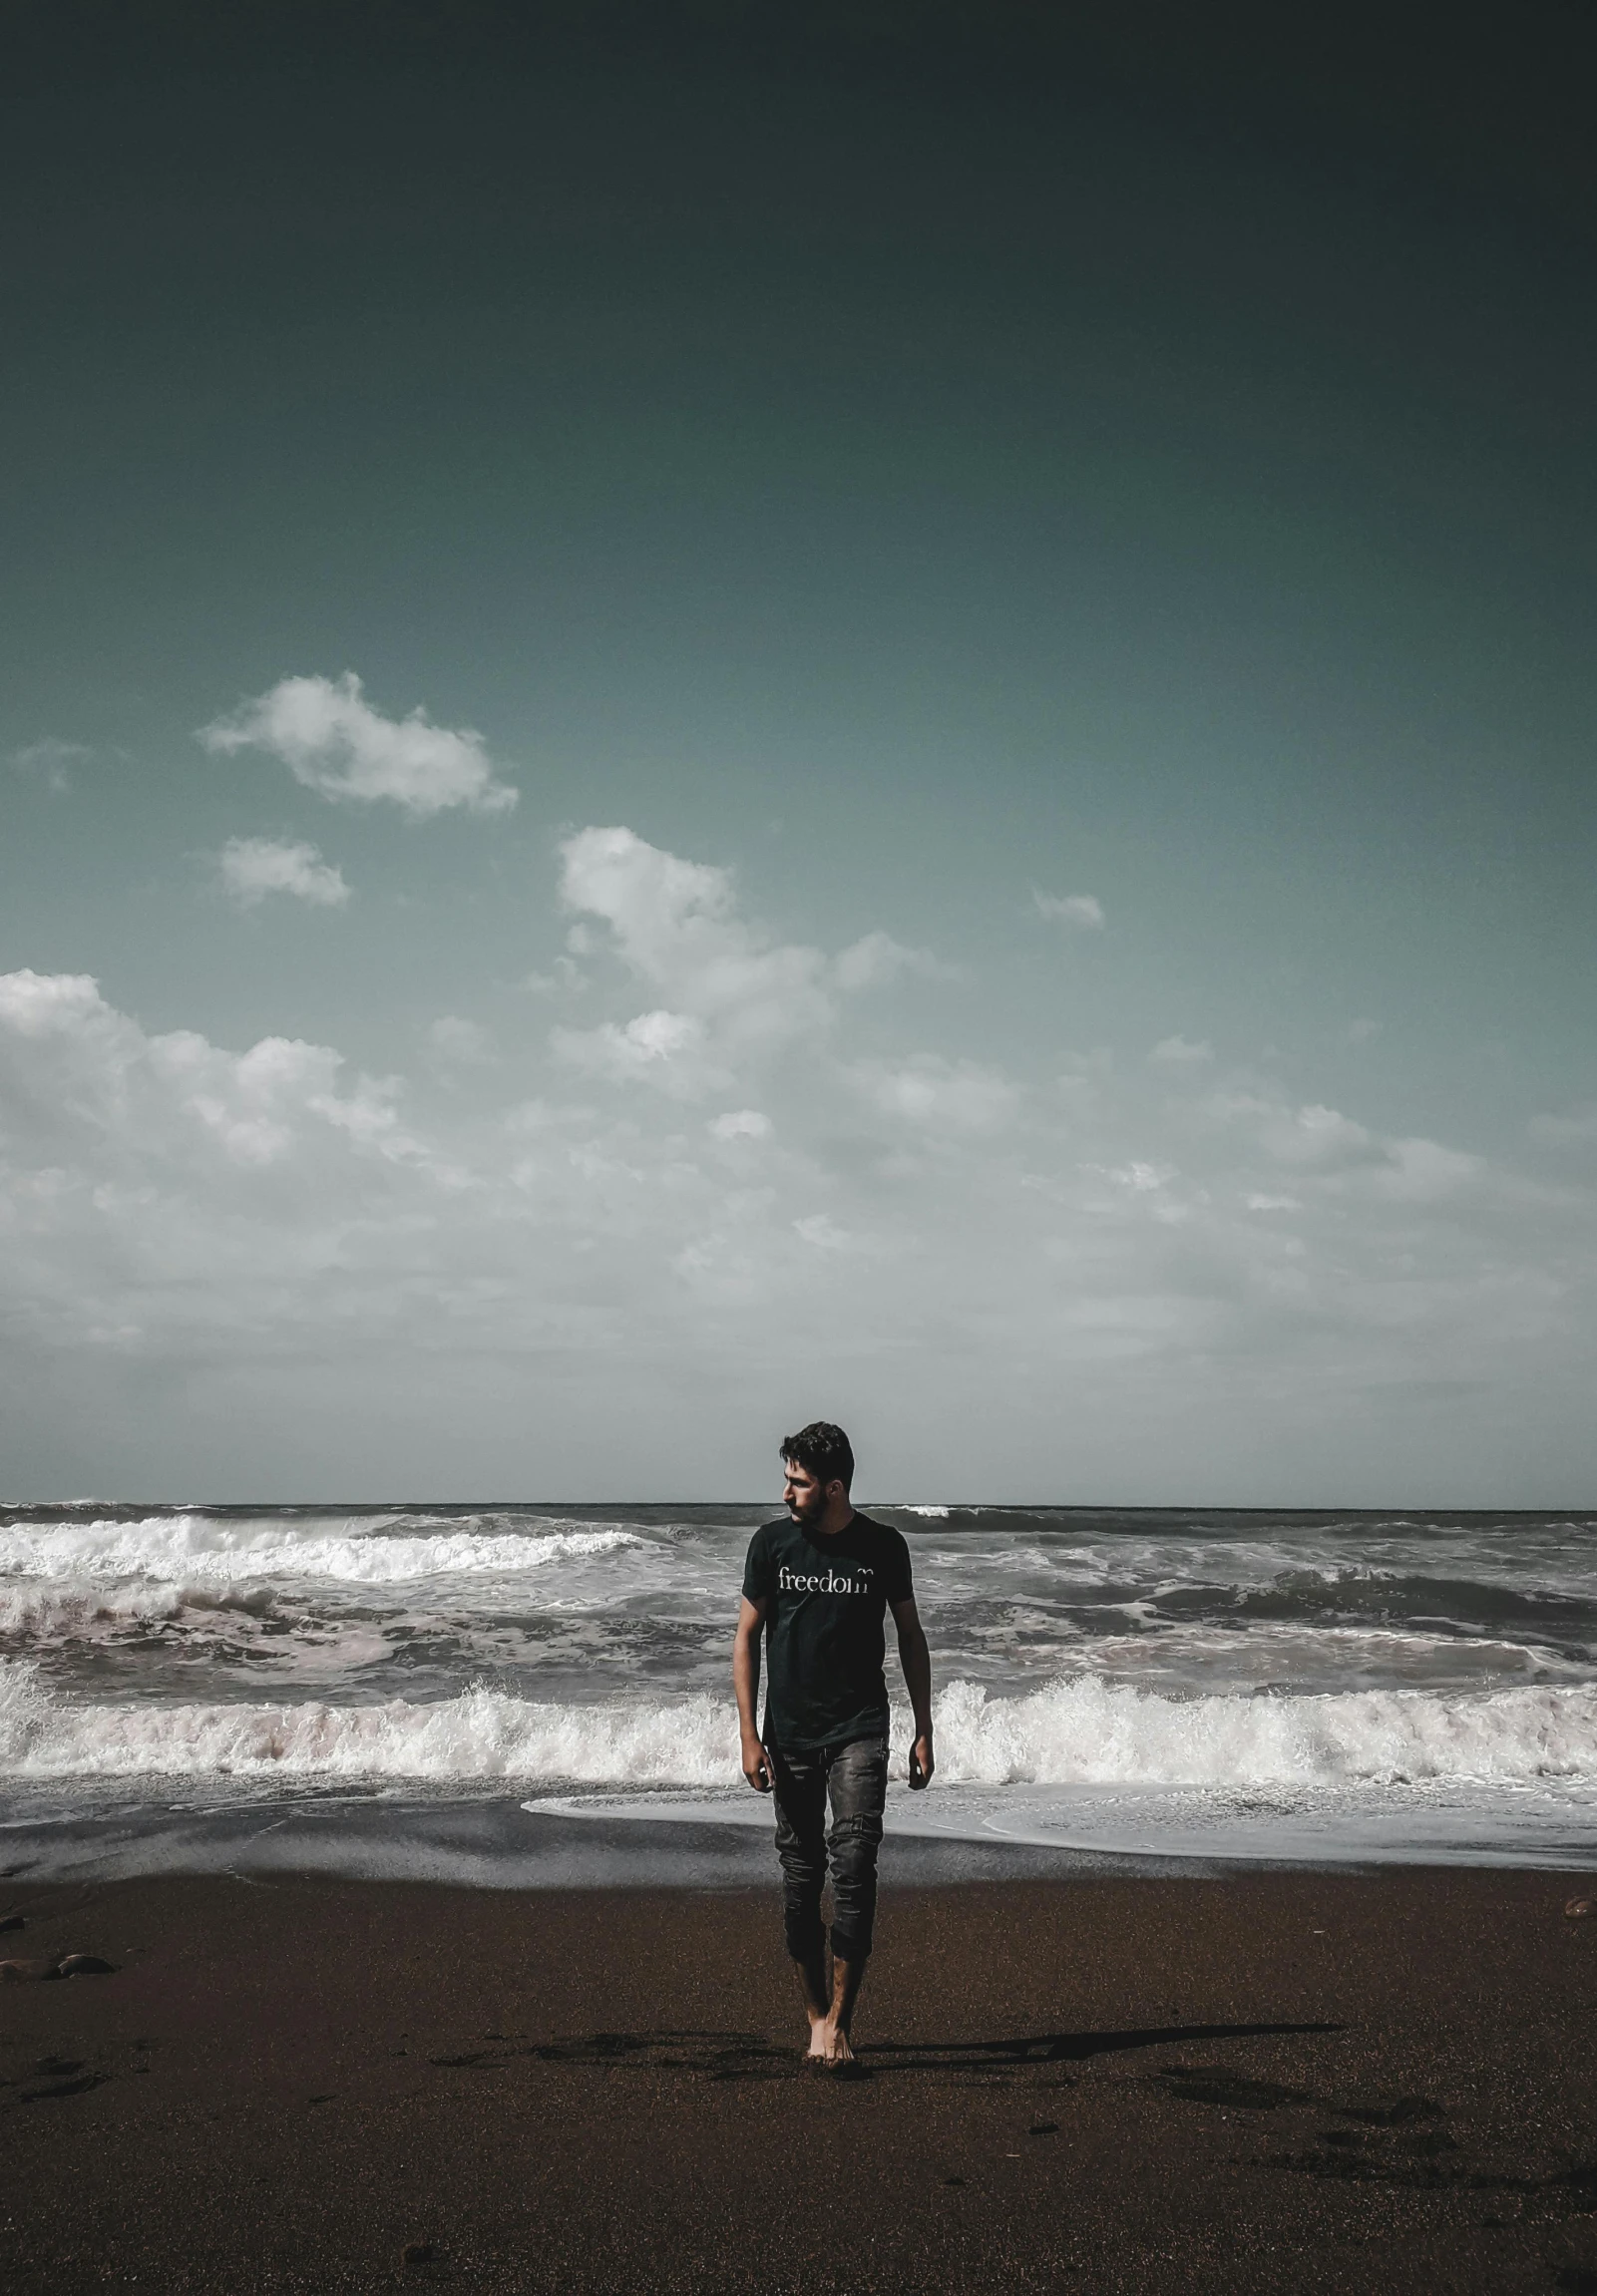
824 1449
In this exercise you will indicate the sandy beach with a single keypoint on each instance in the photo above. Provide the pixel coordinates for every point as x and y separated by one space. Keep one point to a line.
1268 2081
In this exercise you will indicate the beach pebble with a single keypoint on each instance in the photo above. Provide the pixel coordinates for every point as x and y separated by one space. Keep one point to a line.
36 1972
419 2252
1580 1908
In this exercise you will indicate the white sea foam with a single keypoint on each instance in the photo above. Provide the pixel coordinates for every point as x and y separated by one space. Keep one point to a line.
480 1734
1080 1731
1089 1732
51 1612
200 1550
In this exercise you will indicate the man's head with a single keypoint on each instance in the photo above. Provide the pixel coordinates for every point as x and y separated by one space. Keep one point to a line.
819 1467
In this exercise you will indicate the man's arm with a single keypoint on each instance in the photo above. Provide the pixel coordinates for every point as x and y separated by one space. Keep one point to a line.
746 1683
917 1663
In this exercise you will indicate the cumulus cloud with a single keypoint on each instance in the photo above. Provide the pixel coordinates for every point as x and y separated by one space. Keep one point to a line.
251 1103
677 926
466 1042
668 1049
1340 1157
729 991
1176 1052
1317 1135
878 959
1081 912
163 1197
937 1095
332 741
1141 1177
50 760
1070 1267
253 867
1422 1171
1574 1131
822 1234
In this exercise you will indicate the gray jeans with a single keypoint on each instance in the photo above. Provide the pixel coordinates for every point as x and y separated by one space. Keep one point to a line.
854 1778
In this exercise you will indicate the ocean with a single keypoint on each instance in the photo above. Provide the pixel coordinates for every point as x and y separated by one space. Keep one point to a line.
531 1692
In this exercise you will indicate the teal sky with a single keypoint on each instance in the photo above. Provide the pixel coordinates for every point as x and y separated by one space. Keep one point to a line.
929 497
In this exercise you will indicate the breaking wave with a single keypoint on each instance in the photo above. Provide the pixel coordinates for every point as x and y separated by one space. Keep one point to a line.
1089 1732
1080 1731
61 1613
198 1550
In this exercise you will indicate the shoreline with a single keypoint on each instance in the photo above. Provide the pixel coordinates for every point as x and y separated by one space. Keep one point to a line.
492 1836
1252 2082
485 1841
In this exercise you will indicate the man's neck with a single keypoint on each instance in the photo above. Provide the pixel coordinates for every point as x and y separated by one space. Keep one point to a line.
828 1528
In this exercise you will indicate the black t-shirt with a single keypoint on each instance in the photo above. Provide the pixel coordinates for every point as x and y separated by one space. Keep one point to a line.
827 1595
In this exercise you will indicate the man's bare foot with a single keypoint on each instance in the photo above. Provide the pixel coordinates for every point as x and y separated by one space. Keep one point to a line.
834 2040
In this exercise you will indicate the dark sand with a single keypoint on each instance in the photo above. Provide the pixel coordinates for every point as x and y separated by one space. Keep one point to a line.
1274 2082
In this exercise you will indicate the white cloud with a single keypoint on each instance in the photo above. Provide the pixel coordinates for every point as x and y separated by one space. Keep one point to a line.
563 977
731 994
465 1041
45 1004
253 867
1141 1177
1573 1131
663 1048
269 1239
937 1095
331 739
1176 1052
731 991
1422 1171
93 1077
661 1036
1317 1136
1342 1158
878 959
1081 912
822 1234
49 760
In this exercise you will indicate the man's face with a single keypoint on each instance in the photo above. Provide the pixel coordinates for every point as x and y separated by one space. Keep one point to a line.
802 1495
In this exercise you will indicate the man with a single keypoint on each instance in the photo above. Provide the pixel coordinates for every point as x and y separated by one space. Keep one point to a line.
816 1586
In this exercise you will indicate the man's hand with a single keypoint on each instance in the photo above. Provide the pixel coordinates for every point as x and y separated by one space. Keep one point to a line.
757 1766
917 1682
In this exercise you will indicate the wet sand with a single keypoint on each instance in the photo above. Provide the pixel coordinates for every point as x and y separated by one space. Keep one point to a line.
1265 2082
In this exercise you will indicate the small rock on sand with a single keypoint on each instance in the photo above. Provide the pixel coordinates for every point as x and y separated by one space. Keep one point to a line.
1580 1908
46 1965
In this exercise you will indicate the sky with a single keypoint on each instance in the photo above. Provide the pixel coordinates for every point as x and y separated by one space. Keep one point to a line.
738 721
